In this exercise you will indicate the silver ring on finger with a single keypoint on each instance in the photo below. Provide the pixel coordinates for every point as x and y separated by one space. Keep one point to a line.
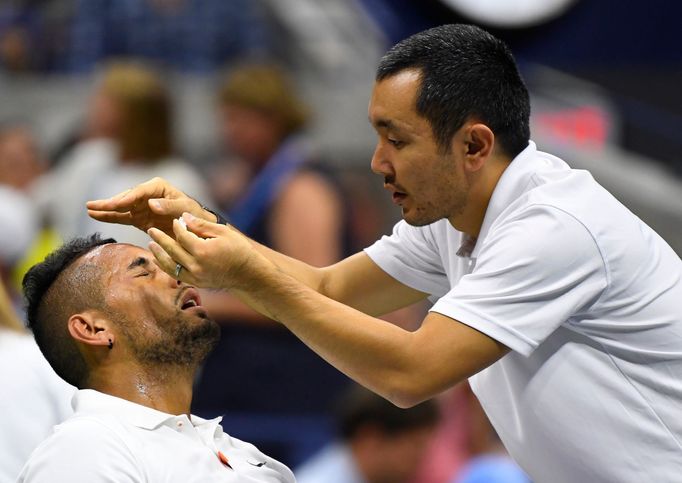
178 269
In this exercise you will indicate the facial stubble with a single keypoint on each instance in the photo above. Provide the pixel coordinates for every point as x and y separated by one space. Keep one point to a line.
178 341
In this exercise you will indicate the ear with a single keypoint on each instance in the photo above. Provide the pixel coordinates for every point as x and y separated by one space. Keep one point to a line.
90 328
480 141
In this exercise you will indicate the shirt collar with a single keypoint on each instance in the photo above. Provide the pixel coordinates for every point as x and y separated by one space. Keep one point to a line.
512 184
91 402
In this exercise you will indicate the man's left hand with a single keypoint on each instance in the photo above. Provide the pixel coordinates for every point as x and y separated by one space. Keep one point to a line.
211 255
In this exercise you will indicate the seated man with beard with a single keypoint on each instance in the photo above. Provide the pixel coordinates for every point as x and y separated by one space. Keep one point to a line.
131 338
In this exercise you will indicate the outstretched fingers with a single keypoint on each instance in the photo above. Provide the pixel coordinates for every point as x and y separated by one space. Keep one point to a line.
112 217
203 228
120 202
168 253
186 239
126 200
174 207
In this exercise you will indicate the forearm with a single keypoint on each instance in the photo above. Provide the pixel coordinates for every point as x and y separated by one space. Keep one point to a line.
311 276
405 367
225 308
371 351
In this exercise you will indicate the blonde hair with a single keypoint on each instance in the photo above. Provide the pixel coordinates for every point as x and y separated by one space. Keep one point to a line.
8 317
146 131
265 88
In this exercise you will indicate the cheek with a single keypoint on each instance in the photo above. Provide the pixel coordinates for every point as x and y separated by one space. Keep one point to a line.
138 309
410 169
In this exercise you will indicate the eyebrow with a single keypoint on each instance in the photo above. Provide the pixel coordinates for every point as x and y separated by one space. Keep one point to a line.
382 123
138 262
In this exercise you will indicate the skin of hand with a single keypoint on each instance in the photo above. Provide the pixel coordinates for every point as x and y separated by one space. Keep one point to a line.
155 203
212 255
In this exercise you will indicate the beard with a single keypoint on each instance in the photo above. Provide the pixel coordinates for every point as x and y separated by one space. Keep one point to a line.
447 203
442 192
179 342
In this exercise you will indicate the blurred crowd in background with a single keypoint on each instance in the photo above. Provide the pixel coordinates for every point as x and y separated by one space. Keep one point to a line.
256 108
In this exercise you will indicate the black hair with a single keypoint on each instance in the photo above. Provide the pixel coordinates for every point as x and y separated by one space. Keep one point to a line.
466 73
359 408
52 296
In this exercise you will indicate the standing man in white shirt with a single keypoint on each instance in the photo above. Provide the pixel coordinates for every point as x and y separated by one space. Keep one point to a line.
560 306
131 339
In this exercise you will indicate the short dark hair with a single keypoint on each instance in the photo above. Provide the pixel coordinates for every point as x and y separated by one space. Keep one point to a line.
52 296
359 407
465 73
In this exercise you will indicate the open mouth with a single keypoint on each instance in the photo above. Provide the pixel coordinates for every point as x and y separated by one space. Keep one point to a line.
190 298
398 197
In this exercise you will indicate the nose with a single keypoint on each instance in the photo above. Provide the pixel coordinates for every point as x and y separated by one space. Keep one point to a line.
380 163
170 280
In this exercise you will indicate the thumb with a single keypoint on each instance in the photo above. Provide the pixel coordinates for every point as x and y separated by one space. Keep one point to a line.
201 227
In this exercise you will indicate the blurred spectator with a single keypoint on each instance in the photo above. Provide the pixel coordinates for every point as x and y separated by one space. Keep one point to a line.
379 442
34 397
20 159
195 36
14 49
128 139
492 468
19 224
23 232
32 35
488 460
20 28
456 436
292 204
465 445
262 123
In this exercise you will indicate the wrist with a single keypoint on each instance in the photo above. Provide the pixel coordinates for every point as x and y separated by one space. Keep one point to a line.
221 220
253 274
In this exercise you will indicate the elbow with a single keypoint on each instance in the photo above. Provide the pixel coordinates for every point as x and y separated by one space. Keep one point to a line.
405 401
407 383
406 393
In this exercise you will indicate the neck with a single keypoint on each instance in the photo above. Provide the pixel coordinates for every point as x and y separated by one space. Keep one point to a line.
481 187
166 388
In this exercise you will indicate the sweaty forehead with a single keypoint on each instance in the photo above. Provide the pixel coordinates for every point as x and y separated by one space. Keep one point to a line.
114 257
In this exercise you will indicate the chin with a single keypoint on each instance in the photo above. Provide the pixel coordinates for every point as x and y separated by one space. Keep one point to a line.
422 219
196 314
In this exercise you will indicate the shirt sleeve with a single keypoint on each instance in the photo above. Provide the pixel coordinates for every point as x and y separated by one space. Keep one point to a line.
410 256
82 451
533 273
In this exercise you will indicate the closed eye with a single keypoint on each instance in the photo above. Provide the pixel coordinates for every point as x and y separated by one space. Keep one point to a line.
143 274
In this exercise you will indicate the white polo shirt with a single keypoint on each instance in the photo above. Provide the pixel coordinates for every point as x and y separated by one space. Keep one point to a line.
114 440
33 399
588 298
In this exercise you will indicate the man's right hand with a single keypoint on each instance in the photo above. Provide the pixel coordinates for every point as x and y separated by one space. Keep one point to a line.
153 204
